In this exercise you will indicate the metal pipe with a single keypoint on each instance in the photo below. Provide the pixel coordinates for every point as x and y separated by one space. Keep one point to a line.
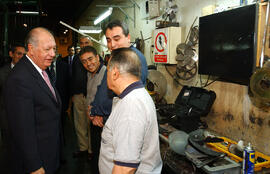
74 29
134 16
135 3
126 14
115 6
163 138
264 34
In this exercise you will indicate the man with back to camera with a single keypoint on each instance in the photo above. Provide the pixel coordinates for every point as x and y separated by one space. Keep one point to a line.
33 108
130 139
16 53
78 93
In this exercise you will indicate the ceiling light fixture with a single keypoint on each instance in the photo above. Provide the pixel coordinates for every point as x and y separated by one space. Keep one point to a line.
103 16
90 29
28 12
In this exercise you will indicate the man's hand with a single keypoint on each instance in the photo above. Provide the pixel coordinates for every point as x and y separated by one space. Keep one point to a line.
98 121
39 171
88 113
72 99
69 109
91 118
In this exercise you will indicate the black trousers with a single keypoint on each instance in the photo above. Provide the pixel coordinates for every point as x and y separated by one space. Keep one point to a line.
95 143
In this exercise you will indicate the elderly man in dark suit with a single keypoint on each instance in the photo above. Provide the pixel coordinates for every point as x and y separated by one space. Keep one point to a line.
33 108
16 53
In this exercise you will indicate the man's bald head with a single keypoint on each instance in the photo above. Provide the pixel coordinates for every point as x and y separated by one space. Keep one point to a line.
127 61
33 36
41 47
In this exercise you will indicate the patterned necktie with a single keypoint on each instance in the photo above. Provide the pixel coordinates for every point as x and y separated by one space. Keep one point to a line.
52 73
47 80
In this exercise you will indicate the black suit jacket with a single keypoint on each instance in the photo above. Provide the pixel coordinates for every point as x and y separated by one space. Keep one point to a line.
66 59
33 117
4 72
62 81
79 77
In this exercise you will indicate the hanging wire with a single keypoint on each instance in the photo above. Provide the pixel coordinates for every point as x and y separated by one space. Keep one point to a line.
206 83
173 76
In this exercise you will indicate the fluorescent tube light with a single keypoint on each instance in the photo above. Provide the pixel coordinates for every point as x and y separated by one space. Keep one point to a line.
28 12
89 29
103 16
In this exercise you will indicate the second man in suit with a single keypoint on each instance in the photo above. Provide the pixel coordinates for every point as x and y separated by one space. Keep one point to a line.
16 53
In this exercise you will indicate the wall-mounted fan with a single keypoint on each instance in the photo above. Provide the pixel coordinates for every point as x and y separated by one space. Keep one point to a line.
187 57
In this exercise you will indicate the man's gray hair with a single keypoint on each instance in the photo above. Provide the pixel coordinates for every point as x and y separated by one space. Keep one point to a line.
127 61
87 37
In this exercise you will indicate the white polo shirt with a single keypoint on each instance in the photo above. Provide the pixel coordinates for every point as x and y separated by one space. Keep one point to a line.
130 136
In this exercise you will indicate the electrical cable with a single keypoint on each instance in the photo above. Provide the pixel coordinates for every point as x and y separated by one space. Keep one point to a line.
206 83
210 83
173 76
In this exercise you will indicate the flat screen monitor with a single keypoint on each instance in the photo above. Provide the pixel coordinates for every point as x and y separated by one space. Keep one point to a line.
227 44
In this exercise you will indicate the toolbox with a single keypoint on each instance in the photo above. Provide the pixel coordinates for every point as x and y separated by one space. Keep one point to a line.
225 165
261 160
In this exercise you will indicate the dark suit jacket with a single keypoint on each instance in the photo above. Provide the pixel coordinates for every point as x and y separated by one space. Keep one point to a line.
66 59
79 77
62 81
33 117
4 72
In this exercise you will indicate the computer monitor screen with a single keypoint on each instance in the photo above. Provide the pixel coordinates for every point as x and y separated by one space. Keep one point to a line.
227 44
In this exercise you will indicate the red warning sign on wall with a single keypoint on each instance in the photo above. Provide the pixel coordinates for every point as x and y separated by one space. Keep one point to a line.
160 58
160 53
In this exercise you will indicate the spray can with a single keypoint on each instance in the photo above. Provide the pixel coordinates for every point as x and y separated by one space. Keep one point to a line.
248 160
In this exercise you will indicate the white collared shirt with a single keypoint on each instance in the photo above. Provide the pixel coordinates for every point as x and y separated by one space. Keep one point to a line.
11 65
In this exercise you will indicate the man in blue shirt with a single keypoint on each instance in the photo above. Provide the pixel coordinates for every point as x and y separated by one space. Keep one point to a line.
117 36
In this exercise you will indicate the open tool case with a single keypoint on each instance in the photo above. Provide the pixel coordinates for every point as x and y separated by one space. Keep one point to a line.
190 104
